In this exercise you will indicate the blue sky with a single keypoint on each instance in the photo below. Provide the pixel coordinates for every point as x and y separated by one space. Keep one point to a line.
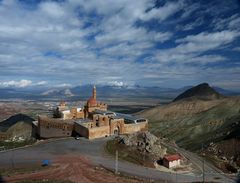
120 42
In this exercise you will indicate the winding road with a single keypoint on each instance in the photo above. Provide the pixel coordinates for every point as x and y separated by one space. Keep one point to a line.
94 150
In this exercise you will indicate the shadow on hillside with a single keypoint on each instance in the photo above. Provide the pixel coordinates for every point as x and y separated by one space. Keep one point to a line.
4 125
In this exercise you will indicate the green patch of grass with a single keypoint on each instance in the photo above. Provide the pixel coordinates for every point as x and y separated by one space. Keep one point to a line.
13 144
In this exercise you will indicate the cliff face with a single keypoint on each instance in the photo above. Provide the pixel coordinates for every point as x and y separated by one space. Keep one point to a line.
202 91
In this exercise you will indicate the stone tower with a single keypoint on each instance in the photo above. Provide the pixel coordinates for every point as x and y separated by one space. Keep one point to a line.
94 92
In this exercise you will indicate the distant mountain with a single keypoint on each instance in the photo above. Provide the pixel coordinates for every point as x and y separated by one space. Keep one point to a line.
103 92
201 91
58 92
225 92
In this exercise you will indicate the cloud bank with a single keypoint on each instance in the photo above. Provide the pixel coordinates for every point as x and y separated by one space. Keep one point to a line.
164 43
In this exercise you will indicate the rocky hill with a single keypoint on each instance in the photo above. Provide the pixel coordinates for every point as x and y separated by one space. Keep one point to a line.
18 127
194 119
202 91
193 122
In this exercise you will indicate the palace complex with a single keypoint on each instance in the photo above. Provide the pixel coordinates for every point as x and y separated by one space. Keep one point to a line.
93 120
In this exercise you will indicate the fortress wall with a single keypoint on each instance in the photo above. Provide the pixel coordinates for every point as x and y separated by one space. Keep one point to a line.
54 132
117 124
49 127
131 128
103 120
80 114
98 132
81 130
67 116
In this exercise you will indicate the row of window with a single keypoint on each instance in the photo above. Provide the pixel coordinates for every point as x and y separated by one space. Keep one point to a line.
56 125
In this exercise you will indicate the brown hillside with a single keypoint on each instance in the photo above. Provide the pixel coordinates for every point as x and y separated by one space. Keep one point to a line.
21 129
180 109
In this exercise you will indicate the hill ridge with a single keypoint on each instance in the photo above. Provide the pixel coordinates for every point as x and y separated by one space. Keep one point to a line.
202 91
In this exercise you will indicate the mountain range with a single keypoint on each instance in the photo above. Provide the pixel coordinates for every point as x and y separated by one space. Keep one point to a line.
103 92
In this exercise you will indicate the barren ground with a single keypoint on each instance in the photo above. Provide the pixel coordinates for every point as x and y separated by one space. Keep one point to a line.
74 168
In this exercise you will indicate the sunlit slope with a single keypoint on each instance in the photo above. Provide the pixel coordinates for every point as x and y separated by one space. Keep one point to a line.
196 122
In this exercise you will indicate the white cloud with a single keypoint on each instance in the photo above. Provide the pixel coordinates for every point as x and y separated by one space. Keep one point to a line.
52 9
117 83
231 22
192 46
198 22
41 83
63 85
16 84
163 12
23 83
217 38
105 41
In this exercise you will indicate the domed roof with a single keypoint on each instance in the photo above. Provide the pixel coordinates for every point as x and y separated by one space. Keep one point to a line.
92 101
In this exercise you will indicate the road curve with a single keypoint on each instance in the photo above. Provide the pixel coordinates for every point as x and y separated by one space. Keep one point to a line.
94 149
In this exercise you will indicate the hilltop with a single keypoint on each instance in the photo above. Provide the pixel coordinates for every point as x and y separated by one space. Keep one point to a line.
194 121
202 91
190 117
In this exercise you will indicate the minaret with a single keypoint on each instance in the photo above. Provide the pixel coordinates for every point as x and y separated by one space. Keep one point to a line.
94 92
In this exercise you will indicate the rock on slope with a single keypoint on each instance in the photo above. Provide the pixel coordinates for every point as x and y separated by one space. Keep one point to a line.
202 91
144 142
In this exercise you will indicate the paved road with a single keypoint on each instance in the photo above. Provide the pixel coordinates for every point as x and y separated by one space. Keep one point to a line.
95 151
202 165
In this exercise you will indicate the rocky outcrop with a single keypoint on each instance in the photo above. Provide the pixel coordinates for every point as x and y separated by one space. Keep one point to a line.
227 152
144 142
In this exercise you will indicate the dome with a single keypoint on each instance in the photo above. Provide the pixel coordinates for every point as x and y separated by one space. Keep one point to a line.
92 102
